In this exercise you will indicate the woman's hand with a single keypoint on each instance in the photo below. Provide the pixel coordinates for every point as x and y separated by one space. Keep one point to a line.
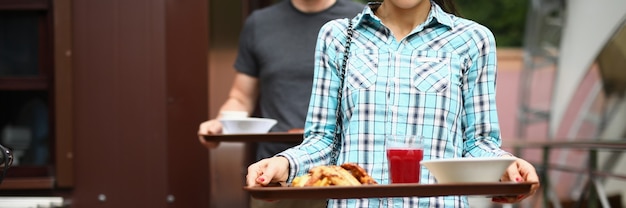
519 171
209 127
269 170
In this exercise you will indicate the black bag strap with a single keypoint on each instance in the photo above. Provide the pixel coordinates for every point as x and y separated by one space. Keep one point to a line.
342 74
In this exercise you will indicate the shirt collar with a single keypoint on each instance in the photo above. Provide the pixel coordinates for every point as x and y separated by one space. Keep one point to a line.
435 16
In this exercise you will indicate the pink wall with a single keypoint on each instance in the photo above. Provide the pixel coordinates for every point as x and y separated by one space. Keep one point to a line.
510 68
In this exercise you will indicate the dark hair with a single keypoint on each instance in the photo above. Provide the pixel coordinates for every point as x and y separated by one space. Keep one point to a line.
448 6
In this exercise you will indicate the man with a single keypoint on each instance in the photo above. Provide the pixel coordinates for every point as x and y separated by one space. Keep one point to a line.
275 67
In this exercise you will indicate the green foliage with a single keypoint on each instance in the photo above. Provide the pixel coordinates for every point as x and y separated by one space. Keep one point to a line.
505 18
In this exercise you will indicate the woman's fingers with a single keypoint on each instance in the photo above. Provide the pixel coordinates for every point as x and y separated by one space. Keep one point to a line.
529 174
519 171
260 173
268 170
508 199
254 172
512 173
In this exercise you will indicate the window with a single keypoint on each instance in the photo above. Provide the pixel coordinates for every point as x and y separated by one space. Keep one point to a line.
26 88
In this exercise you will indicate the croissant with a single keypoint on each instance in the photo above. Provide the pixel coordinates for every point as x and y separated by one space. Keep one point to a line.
348 174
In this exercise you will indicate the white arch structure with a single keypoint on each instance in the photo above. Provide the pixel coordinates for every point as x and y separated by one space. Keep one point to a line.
588 27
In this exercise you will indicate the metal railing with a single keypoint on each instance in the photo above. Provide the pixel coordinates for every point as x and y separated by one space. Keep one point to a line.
593 189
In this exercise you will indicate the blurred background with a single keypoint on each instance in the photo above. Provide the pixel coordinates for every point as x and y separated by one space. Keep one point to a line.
100 100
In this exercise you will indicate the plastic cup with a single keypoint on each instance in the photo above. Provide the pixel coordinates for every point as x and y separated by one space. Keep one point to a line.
404 153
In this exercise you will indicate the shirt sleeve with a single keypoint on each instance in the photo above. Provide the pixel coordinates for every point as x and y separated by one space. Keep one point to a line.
245 61
319 145
482 130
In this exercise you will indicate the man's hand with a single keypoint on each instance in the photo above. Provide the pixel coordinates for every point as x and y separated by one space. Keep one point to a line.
210 127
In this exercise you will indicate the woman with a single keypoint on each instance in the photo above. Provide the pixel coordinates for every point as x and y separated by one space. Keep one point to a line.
413 69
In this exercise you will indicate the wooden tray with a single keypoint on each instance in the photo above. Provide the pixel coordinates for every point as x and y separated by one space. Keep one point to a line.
390 190
269 137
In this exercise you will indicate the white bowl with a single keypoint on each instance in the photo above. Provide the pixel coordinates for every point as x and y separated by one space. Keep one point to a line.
468 170
247 125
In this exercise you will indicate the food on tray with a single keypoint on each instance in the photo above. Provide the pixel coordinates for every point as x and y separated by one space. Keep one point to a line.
359 173
348 174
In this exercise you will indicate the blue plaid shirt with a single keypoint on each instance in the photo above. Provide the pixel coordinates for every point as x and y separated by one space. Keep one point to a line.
438 82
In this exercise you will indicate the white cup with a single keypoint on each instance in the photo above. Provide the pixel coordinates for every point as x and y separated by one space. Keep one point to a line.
233 114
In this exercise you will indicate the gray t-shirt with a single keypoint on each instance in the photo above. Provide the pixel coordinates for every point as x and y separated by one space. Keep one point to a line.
277 46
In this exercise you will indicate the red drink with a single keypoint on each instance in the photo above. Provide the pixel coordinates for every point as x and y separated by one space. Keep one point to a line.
404 164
